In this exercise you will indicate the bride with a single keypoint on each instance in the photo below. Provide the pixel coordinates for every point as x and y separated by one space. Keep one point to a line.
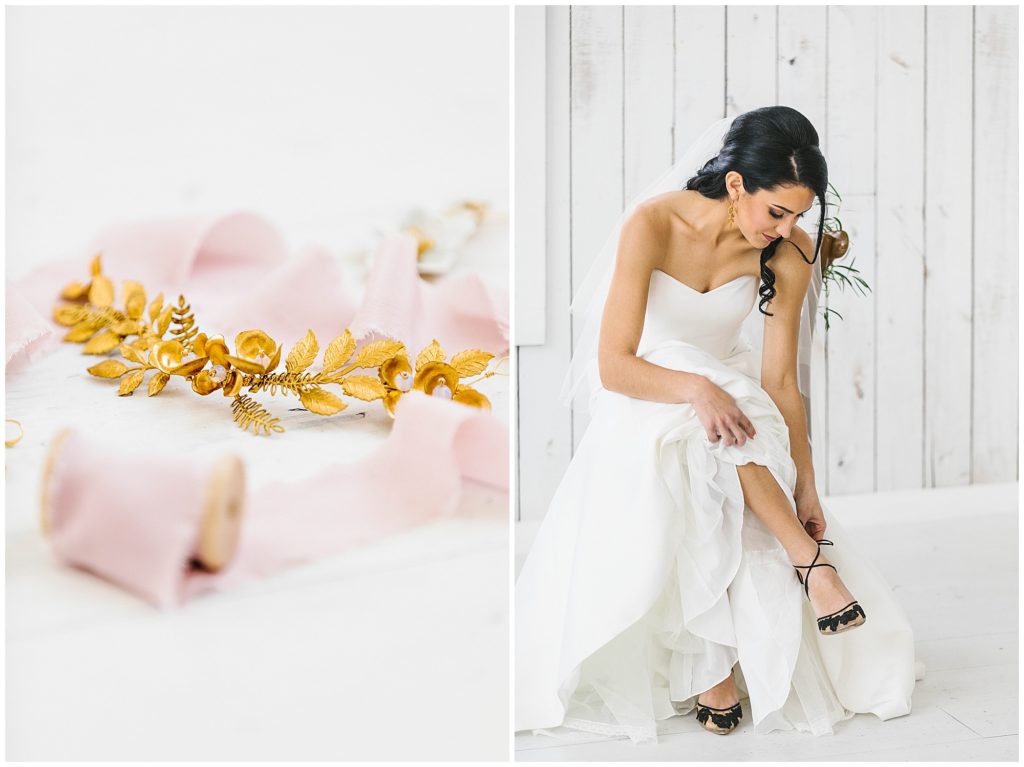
681 564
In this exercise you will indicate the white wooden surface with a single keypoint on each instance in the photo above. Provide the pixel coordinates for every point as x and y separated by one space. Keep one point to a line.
948 292
851 343
699 84
917 386
596 141
961 600
543 426
647 114
326 120
899 274
996 244
750 47
325 661
530 160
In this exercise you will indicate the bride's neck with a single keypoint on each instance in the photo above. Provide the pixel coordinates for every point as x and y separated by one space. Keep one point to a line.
712 225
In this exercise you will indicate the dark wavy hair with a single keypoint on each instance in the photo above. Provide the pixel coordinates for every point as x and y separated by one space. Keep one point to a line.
769 147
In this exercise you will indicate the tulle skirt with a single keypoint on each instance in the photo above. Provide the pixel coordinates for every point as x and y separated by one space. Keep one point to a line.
649 580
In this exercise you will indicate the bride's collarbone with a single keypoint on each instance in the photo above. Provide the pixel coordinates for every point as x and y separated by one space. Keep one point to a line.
705 276
701 265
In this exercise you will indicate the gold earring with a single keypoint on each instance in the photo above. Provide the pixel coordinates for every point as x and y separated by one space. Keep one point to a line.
732 214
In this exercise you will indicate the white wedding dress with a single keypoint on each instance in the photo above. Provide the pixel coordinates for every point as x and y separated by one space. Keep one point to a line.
649 579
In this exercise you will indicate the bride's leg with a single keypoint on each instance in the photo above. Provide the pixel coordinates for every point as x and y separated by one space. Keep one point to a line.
765 498
722 695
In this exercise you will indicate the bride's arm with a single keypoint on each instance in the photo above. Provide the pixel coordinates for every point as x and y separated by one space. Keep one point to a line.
779 354
641 246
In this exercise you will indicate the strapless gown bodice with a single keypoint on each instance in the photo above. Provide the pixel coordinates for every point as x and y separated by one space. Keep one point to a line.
712 320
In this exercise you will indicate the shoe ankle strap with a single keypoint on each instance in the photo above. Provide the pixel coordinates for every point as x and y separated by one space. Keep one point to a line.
814 563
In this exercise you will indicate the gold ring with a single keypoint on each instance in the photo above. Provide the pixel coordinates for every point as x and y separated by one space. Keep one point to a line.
16 440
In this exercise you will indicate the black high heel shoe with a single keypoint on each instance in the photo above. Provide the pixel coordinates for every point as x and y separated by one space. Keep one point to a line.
841 620
720 721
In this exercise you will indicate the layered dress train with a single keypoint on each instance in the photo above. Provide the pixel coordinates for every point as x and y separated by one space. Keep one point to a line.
649 578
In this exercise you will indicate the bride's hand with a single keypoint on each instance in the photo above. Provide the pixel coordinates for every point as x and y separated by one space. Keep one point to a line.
808 511
720 416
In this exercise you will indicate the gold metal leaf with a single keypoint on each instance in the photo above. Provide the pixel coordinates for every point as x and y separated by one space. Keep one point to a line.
433 353
321 402
155 306
126 328
82 331
101 291
249 413
157 383
67 315
102 343
363 387
390 400
274 361
130 383
339 351
132 353
471 362
164 320
75 291
472 397
378 352
246 366
189 368
134 299
95 268
302 354
108 369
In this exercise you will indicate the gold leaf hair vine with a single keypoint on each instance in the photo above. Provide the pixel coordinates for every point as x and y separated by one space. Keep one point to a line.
167 341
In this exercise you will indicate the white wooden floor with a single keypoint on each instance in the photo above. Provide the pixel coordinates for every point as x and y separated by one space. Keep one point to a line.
951 558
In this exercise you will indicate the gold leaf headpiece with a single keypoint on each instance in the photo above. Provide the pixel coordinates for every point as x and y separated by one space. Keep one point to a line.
166 341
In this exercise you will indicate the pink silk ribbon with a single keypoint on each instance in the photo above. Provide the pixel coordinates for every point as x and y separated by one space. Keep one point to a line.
235 274
103 516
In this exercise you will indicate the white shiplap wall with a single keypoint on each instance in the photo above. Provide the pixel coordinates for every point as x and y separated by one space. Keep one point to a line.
917 112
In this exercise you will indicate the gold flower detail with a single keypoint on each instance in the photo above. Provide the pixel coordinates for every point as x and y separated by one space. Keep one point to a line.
436 377
166 343
258 353
227 373
397 376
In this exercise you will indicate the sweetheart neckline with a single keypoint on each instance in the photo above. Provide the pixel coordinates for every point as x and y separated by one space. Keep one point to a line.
709 292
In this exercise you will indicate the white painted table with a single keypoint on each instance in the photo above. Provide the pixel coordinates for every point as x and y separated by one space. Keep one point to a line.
397 650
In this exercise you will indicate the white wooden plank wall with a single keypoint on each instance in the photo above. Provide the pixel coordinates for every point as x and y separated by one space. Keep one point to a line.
597 96
850 126
994 418
899 252
544 426
916 108
948 294
699 80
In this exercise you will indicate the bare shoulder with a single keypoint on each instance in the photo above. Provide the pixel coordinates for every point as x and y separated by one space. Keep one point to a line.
798 246
647 230
792 272
673 207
